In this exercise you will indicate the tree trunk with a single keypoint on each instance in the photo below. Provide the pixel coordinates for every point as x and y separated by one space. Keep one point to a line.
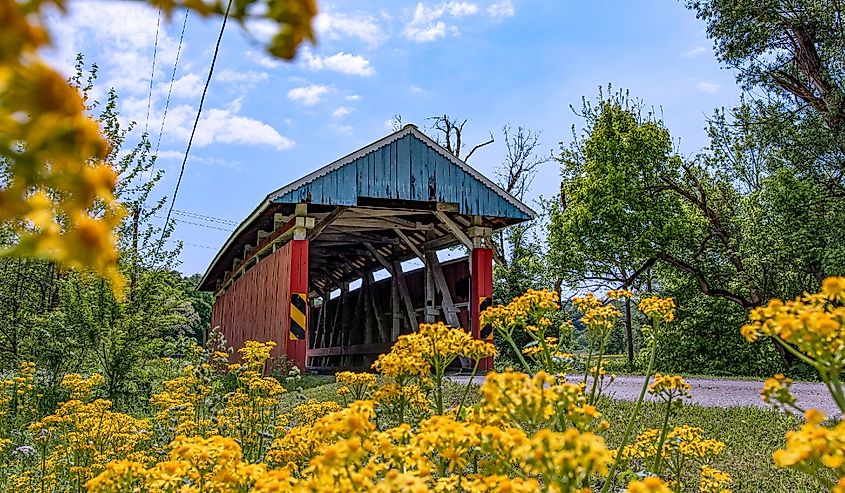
629 333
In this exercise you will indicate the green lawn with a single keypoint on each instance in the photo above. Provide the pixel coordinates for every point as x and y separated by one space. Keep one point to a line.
751 435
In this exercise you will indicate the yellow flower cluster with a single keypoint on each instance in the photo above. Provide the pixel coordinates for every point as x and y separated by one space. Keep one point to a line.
434 344
16 395
657 308
533 402
776 391
78 439
356 385
522 311
183 403
813 445
254 355
80 387
311 411
353 378
54 152
601 317
814 324
669 387
650 484
616 294
712 480
196 464
683 442
586 303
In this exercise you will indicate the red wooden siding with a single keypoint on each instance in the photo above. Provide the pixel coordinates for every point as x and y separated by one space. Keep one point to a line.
298 260
482 287
257 305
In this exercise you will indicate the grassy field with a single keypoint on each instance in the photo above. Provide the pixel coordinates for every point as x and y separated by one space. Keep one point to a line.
751 435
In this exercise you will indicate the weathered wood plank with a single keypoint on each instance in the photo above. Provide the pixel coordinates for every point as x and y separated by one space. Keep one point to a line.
357 349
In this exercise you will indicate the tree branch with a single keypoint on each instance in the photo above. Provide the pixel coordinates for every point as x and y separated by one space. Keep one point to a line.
478 146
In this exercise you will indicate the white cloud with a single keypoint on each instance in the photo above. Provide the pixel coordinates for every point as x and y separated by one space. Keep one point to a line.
501 9
698 50
416 90
429 23
353 97
340 112
222 126
460 9
705 86
173 155
249 77
342 129
341 62
170 154
308 95
123 50
427 33
335 25
187 86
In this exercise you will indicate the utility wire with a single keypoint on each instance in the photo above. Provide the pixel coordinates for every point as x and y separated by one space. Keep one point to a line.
182 221
152 72
202 217
199 246
196 122
172 80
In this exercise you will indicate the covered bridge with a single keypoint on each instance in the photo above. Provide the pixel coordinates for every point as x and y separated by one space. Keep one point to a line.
304 269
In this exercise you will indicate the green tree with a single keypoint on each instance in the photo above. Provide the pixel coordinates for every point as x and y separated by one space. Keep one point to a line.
610 219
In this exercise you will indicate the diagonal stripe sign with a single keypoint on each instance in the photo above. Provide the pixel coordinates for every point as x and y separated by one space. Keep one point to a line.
298 305
486 332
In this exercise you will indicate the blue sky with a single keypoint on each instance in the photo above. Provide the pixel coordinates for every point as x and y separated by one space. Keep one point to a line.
495 62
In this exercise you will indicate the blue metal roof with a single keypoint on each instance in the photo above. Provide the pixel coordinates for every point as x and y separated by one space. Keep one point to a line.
406 165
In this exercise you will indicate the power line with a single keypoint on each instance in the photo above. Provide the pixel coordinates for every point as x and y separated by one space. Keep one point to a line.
182 221
172 79
196 245
196 122
205 217
152 72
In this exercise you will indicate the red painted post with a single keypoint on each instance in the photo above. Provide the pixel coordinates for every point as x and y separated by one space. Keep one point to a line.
481 292
296 349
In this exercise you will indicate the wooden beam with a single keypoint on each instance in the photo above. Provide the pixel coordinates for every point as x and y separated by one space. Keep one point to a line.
440 243
380 258
279 220
325 222
377 348
454 228
410 244
377 311
396 310
366 211
430 312
350 236
449 311
404 294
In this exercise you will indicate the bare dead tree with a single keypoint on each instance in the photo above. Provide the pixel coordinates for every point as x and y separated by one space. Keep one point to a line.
519 168
396 122
515 175
449 134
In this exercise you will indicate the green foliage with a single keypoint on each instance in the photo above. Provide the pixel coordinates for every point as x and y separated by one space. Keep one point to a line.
705 340
70 321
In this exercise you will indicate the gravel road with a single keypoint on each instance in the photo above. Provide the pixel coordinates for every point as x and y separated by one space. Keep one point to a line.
712 392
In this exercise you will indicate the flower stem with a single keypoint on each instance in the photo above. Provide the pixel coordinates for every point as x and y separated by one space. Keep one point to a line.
611 474
466 390
655 467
